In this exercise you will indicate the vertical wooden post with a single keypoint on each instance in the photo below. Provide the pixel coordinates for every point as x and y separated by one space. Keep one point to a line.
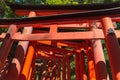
68 69
53 28
6 45
15 67
54 71
48 70
83 75
32 70
100 64
112 47
77 69
64 68
30 74
27 63
91 66
59 69
44 70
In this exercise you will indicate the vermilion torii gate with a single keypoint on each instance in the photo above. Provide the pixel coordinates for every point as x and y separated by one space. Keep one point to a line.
53 34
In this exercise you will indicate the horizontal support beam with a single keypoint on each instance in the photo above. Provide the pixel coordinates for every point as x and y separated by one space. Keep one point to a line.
41 54
45 12
59 51
96 34
63 43
48 20
60 36
77 17
80 25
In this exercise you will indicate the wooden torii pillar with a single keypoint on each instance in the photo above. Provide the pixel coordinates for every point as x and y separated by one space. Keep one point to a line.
53 77
49 69
17 62
100 64
98 54
77 70
68 68
83 75
80 66
59 70
64 67
112 47
6 45
91 65
28 62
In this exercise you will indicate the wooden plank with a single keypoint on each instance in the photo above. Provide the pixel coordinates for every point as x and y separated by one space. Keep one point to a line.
37 25
63 43
56 50
45 12
41 54
97 34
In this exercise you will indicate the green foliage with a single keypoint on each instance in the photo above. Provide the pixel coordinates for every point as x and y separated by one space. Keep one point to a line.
118 25
61 1
3 30
107 1
6 10
53 2
72 64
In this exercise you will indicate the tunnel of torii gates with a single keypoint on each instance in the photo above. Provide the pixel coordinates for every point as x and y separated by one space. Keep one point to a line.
53 36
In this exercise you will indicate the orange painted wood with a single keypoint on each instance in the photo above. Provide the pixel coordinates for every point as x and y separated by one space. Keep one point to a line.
82 24
44 70
53 28
100 64
63 43
59 70
83 75
48 20
17 62
112 47
2 36
6 45
95 71
37 25
49 70
64 68
32 70
27 63
91 65
43 55
54 75
60 36
77 69
44 12
68 69
98 34
56 20
55 50
30 74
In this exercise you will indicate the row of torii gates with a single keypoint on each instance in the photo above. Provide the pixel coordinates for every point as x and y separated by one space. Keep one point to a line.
54 33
